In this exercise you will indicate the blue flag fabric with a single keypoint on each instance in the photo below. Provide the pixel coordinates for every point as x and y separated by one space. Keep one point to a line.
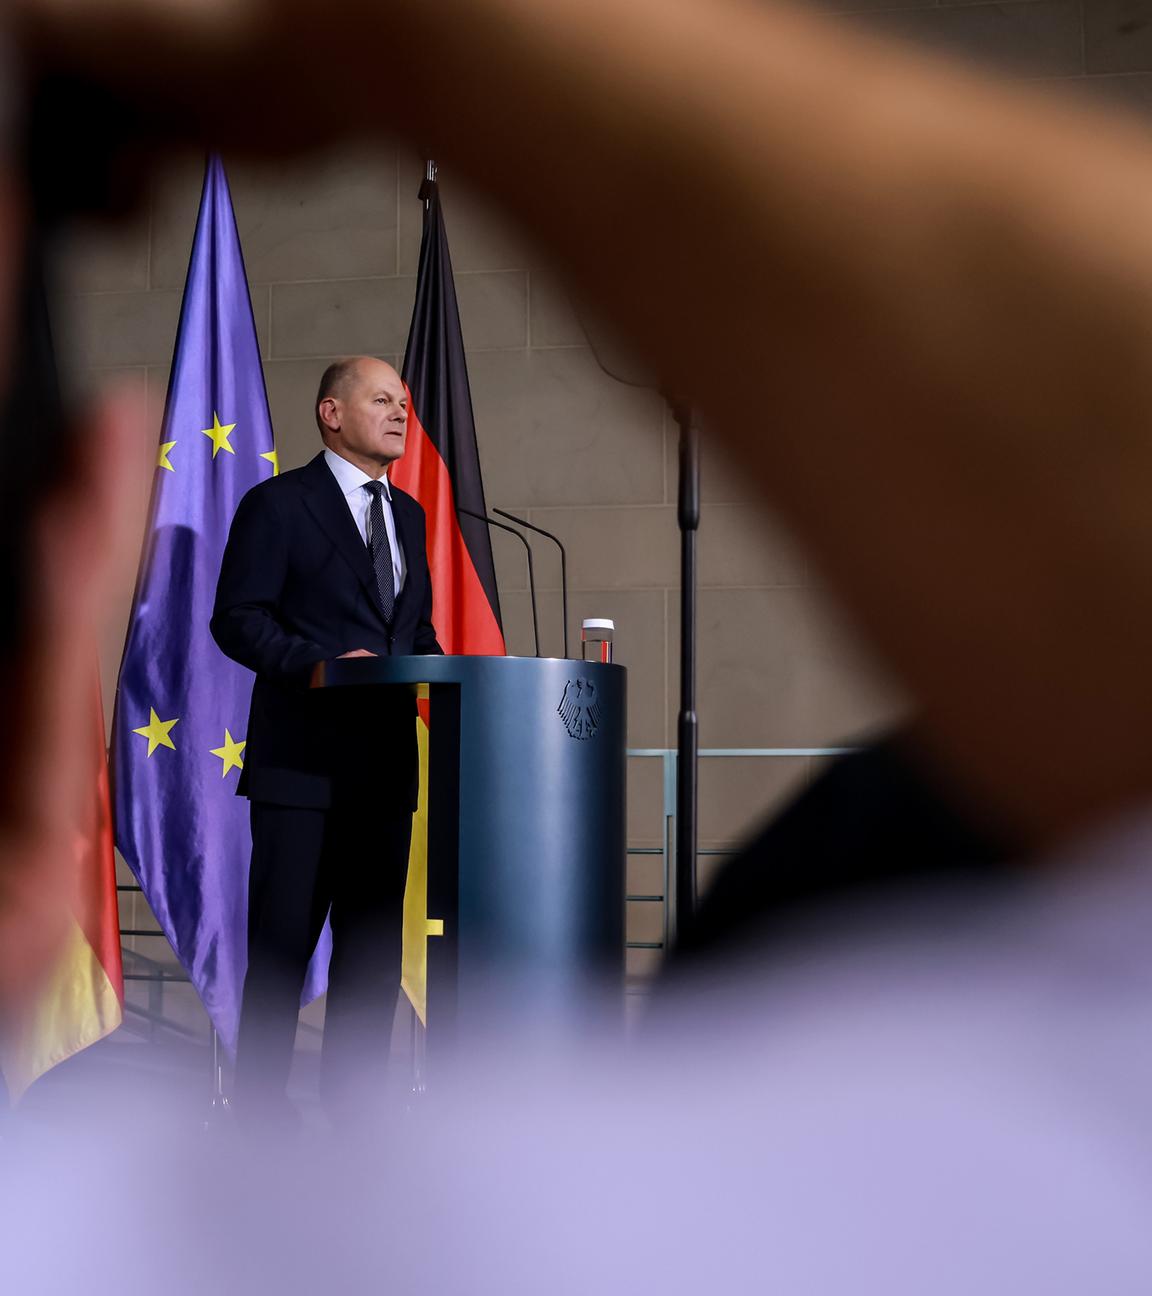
182 707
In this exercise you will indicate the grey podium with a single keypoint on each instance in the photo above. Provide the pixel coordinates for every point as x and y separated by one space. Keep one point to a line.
526 836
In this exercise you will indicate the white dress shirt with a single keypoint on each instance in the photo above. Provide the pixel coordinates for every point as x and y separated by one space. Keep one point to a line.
352 481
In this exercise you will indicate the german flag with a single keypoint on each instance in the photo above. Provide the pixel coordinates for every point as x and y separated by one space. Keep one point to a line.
441 468
441 465
81 998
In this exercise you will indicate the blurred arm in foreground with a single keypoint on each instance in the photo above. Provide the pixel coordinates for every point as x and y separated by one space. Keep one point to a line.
915 304
65 536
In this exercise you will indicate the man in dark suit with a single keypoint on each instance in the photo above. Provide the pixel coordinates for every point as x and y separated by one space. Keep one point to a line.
327 561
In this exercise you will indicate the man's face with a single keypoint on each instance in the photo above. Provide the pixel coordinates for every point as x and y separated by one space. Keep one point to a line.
371 414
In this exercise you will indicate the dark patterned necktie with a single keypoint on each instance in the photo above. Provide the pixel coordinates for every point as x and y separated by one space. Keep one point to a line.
380 550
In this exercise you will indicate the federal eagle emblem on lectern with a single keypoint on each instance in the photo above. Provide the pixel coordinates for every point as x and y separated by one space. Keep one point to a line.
579 709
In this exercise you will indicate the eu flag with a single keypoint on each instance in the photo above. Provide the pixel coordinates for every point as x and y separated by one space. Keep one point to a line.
182 707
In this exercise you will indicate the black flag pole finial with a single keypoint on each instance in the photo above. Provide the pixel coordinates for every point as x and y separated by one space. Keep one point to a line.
431 170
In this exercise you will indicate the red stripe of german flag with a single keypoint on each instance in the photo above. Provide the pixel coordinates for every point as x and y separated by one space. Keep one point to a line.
464 614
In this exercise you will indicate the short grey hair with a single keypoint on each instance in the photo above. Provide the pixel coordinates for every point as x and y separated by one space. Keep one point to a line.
333 381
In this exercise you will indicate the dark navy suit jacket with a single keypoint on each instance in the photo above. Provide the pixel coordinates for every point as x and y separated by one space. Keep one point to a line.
297 588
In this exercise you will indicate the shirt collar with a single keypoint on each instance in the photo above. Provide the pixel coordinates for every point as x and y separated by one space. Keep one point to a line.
350 478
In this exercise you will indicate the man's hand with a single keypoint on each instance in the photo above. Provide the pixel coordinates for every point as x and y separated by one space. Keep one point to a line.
357 652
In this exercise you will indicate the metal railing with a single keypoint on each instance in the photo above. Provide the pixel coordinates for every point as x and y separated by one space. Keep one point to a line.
667 850
159 975
139 968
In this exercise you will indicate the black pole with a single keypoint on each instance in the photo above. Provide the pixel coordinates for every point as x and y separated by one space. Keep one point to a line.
688 517
431 171
563 563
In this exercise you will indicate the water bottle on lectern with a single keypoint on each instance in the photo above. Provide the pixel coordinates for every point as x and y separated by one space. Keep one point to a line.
596 639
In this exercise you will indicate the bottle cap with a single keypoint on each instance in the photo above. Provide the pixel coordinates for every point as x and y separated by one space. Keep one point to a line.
598 623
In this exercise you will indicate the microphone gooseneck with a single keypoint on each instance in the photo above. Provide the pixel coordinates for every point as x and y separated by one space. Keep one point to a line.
480 517
563 563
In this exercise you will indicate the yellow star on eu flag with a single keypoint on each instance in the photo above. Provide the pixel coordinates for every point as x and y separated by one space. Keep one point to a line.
162 460
157 731
230 753
274 459
219 435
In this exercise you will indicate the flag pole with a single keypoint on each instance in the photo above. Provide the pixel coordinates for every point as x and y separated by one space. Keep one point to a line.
219 1106
687 733
431 171
419 1029
680 904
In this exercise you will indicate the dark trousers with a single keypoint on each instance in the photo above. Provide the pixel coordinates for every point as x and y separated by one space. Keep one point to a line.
352 860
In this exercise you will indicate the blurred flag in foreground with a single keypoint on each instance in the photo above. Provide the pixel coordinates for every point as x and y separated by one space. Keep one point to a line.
80 998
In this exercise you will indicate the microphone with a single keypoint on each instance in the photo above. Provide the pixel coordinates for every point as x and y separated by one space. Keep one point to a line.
563 563
531 574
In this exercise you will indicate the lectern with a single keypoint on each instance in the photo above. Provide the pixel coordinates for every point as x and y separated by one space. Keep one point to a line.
526 836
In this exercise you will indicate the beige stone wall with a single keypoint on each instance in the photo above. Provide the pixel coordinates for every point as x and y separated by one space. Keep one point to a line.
331 249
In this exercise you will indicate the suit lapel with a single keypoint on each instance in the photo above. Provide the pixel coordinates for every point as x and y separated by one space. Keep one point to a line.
326 503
